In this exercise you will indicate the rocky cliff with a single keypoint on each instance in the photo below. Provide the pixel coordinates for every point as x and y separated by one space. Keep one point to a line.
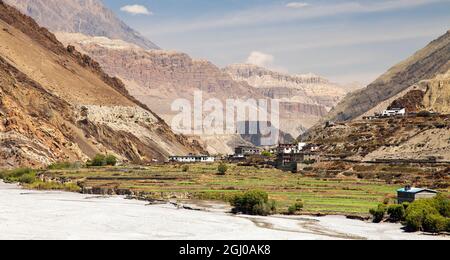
89 17
437 95
426 64
157 78
304 99
57 104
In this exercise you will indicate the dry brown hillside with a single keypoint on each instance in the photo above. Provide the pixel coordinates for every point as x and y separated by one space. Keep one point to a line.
57 104
426 64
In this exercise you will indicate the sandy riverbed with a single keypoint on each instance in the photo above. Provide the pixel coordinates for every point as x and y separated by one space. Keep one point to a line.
59 215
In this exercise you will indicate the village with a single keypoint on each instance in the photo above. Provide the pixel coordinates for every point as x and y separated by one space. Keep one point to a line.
299 156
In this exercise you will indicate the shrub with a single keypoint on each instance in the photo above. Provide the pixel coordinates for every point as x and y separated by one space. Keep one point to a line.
378 213
297 207
253 203
222 169
435 223
396 213
424 114
448 225
39 185
98 160
103 160
110 160
266 154
185 168
27 178
417 212
442 204
62 166
23 175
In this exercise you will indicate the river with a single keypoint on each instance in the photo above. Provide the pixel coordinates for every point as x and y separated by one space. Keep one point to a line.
41 215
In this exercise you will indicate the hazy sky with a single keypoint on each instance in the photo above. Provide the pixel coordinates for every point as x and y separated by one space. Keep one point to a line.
344 40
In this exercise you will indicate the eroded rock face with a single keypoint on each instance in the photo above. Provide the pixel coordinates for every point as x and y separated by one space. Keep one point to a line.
59 105
437 95
304 99
89 17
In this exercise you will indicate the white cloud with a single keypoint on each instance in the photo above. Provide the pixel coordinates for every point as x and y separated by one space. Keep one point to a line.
261 59
297 5
136 9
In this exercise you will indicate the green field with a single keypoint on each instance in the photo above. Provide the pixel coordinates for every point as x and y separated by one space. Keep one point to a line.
327 196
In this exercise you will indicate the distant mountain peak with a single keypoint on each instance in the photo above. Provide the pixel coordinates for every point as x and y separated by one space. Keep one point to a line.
89 17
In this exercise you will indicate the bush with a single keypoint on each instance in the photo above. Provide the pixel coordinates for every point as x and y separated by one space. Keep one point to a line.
63 165
253 203
424 114
24 175
98 160
222 169
39 185
396 213
378 213
448 225
442 204
435 223
417 212
110 160
185 168
297 207
266 154
103 160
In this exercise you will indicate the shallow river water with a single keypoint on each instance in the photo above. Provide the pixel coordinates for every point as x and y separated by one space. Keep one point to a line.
59 215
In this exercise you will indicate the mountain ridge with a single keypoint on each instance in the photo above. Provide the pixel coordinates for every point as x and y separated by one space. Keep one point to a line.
427 63
89 17
58 105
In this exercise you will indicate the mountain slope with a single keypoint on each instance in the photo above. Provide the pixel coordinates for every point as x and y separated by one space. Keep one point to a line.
56 104
157 78
426 64
89 17
304 99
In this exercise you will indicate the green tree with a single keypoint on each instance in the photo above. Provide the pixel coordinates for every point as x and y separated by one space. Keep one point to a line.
110 160
378 213
297 207
98 160
435 223
222 169
253 203
396 213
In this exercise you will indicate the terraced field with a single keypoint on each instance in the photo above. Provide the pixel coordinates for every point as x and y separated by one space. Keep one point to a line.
321 195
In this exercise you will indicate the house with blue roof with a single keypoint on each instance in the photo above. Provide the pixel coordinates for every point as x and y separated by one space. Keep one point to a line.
410 194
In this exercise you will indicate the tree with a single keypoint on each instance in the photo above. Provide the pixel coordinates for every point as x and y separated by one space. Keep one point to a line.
110 160
378 213
396 213
222 169
253 203
297 207
98 160
185 168
435 223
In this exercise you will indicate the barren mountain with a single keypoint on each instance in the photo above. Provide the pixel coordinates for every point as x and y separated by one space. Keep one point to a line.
304 99
89 17
157 78
57 104
426 64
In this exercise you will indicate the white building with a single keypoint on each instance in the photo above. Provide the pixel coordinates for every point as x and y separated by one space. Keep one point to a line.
394 112
192 159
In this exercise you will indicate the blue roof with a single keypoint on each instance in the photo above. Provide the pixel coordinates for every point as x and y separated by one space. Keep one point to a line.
415 190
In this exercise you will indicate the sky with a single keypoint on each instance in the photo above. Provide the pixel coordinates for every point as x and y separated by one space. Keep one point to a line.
343 40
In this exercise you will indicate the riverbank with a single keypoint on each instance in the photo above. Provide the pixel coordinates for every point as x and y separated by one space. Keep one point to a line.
61 215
